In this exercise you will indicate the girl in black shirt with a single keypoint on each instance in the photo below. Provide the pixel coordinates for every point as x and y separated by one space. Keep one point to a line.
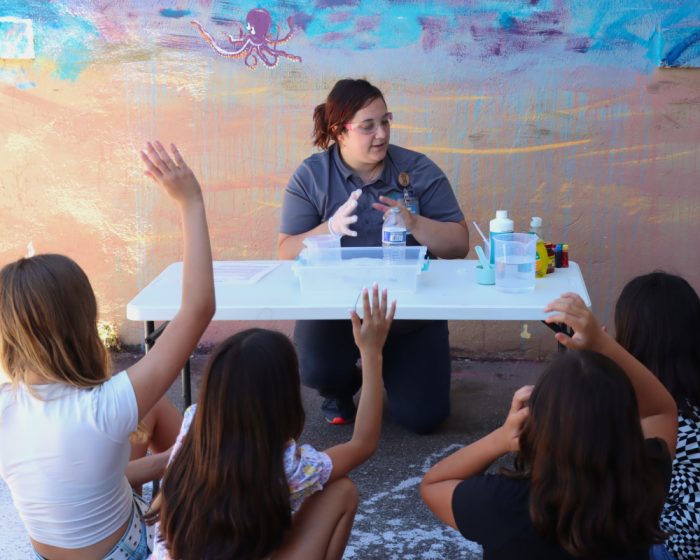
593 440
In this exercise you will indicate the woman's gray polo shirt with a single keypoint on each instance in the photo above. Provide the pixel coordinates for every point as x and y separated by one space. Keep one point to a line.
323 182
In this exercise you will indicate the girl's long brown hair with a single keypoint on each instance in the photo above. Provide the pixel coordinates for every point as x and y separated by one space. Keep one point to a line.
225 494
48 323
593 488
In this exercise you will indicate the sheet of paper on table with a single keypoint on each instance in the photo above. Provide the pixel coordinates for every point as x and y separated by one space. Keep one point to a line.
241 272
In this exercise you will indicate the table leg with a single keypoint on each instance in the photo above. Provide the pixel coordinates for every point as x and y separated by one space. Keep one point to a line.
148 343
152 335
560 327
186 385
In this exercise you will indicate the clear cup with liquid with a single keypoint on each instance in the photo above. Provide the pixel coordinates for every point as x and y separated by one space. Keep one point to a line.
515 262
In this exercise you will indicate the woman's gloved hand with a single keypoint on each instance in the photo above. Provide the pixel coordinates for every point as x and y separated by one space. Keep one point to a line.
339 223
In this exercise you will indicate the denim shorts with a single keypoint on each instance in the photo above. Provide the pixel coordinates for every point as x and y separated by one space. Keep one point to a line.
136 542
660 552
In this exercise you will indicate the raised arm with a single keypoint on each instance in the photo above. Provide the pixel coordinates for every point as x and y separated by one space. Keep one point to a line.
155 372
440 481
657 409
370 335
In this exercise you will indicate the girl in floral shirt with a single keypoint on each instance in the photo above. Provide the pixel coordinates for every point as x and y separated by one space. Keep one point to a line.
238 484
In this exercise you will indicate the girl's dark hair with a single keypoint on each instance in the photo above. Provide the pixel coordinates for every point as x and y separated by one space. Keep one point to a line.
345 99
657 319
593 488
225 494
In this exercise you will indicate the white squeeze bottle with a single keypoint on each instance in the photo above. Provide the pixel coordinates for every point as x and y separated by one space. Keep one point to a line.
500 224
394 237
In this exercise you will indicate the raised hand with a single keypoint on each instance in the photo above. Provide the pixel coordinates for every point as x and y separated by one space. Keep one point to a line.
172 173
155 372
387 203
339 223
517 415
571 310
370 333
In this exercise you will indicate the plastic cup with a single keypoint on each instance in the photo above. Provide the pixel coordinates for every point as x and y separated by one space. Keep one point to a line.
322 249
515 262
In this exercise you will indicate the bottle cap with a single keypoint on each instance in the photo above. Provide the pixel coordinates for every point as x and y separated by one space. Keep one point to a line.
500 214
536 222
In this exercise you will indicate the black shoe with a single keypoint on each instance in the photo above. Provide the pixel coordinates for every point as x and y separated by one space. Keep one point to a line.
339 411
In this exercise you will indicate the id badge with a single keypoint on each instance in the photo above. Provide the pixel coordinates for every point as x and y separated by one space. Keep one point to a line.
410 200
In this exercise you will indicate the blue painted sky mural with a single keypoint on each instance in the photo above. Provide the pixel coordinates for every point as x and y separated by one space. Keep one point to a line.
483 38
16 38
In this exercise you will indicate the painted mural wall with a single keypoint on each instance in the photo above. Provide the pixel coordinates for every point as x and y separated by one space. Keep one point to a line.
584 112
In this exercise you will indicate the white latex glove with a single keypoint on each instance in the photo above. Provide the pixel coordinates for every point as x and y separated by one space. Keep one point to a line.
339 223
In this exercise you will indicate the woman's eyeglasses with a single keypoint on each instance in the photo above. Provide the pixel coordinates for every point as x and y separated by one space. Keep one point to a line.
370 126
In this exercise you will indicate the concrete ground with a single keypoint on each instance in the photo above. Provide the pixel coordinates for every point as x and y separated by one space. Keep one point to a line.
392 522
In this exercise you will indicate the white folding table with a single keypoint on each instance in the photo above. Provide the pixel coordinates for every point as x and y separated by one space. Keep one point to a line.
446 290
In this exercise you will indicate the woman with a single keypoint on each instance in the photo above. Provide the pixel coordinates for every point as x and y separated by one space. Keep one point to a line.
346 190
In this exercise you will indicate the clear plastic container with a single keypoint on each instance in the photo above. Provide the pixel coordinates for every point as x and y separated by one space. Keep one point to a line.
360 267
322 248
515 262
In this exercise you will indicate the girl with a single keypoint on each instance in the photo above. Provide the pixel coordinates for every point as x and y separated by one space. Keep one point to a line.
239 486
656 320
64 421
585 483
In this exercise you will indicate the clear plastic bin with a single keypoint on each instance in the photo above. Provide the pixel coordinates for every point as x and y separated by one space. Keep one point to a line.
360 267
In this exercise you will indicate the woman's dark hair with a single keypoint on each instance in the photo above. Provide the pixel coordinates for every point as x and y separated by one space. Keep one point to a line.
657 319
345 99
593 488
225 494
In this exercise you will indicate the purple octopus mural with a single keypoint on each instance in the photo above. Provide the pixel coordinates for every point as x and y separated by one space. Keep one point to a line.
255 42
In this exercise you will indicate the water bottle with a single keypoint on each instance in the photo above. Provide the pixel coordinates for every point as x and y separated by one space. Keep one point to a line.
394 237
